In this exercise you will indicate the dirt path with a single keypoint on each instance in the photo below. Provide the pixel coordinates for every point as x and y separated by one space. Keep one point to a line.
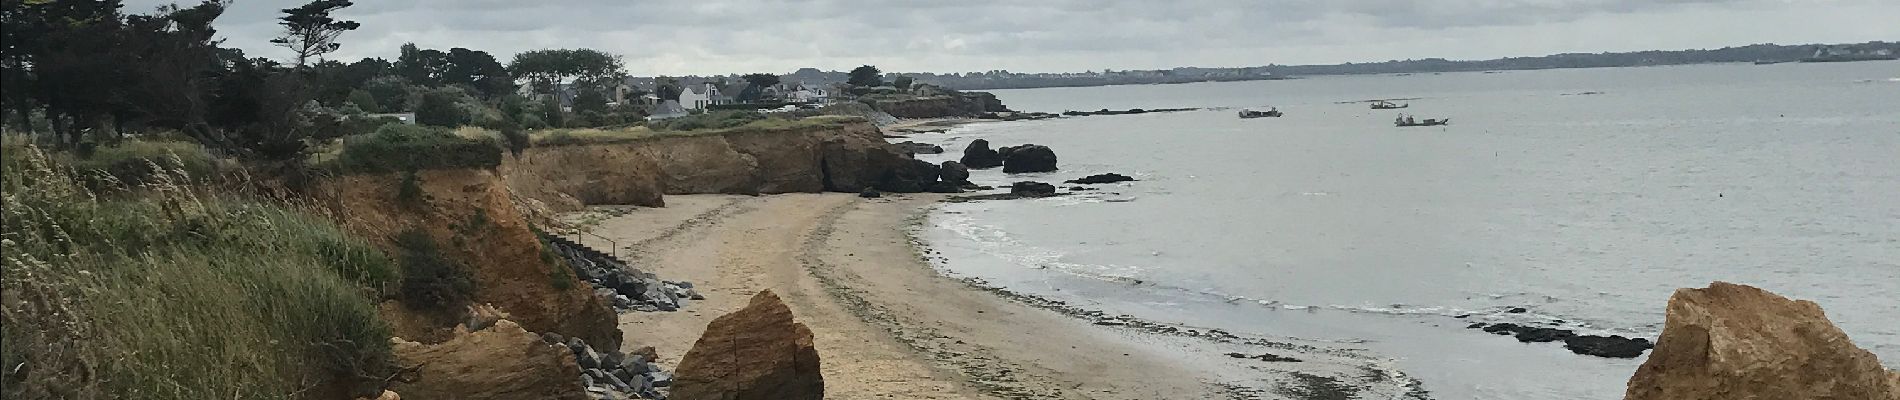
887 326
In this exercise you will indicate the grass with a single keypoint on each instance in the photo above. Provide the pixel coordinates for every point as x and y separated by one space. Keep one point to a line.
400 147
177 293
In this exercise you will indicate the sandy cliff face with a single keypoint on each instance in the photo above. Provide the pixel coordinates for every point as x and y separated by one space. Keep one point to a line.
474 222
1737 342
845 157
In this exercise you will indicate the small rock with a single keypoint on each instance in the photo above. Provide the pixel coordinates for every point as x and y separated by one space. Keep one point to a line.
1518 310
870 193
587 358
1032 189
1101 178
660 378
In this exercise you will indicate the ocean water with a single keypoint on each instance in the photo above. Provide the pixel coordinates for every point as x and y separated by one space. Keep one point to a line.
1586 196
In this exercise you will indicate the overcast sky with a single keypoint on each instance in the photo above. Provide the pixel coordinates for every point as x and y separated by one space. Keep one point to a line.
680 37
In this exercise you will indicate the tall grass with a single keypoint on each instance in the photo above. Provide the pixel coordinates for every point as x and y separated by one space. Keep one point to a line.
175 293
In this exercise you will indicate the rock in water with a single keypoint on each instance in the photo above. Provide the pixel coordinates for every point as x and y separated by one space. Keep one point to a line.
1030 158
1101 178
978 155
756 353
1732 341
1032 189
920 148
501 362
955 173
910 176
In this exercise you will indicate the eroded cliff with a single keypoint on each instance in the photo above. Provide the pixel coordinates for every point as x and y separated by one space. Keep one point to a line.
845 156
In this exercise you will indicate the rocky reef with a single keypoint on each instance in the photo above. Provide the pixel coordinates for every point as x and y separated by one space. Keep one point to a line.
1730 341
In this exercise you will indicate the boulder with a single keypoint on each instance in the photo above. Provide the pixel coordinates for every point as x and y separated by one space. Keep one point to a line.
910 176
1029 158
756 353
870 193
954 173
920 148
1613 346
1101 178
978 155
1032 189
850 165
1732 341
501 362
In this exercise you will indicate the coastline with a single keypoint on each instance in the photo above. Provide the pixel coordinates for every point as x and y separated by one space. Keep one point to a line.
889 325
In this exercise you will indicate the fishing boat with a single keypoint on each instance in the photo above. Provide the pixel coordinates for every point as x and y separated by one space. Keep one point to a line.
1387 105
1259 114
1406 120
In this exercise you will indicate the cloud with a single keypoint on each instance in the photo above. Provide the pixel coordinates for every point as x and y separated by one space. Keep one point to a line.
721 36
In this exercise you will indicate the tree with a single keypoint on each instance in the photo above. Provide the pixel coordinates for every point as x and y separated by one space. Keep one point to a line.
590 99
667 89
761 80
866 76
902 82
390 92
310 31
478 70
420 66
438 108
547 69
364 101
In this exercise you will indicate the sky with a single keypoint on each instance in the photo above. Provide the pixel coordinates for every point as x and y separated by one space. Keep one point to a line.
702 37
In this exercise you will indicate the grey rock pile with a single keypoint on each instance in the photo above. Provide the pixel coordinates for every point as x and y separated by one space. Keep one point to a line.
627 288
613 375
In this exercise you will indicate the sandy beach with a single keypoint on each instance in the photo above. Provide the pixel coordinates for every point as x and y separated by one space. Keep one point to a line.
886 324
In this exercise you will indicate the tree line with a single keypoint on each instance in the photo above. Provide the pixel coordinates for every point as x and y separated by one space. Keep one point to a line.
78 72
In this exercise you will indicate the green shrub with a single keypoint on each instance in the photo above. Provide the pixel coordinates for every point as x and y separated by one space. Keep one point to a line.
133 163
709 120
429 281
178 294
400 147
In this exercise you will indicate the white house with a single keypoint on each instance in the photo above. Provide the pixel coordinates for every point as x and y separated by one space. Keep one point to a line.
803 93
698 99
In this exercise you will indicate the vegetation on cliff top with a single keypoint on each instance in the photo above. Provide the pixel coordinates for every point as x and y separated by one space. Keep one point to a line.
172 292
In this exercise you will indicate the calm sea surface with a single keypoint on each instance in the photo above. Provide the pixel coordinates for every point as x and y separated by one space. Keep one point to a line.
1586 196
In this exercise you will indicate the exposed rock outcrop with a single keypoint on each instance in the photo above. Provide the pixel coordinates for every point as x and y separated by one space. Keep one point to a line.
920 148
756 353
910 176
1028 158
978 155
1101 178
1732 341
503 362
1032 189
933 102
846 156
954 173
470 215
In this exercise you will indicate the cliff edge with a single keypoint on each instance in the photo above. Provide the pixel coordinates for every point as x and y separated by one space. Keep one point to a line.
846 156
1730 341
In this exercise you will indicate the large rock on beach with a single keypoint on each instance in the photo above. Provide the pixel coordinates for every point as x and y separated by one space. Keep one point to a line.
954 172
978 155
910 176
756 353
1029 158
1732 341
500 363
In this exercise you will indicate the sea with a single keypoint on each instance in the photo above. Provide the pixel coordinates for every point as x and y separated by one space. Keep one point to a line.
1584 196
